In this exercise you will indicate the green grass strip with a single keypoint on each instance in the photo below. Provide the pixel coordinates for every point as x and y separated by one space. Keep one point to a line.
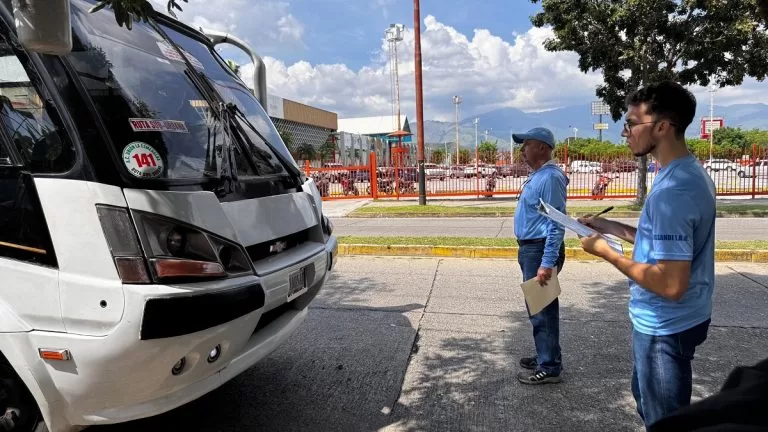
509 242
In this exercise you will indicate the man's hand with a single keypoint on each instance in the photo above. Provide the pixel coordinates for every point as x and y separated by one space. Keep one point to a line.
596 223
543 275
596 245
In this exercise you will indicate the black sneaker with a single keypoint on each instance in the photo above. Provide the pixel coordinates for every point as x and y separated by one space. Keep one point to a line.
528 363
538 377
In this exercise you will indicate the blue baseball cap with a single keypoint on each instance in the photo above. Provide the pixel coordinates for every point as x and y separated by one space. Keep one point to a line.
539 134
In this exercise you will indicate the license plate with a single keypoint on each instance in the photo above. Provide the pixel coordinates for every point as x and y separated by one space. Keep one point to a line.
297 283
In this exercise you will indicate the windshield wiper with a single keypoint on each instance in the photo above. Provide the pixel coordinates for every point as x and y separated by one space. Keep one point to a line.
244 119
218 159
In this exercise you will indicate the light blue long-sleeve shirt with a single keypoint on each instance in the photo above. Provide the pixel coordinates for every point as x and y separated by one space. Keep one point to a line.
548 183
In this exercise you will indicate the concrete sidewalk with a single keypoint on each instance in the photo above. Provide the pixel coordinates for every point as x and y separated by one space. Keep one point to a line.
408 344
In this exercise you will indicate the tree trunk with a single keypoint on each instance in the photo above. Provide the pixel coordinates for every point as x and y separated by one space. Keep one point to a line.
642 181
642 169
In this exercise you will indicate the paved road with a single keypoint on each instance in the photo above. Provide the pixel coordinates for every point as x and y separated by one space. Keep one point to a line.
726 228
407 344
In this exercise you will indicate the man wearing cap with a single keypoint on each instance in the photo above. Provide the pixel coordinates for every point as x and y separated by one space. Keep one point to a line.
541 249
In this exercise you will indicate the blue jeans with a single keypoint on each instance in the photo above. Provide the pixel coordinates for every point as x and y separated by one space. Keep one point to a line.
546 324
662 378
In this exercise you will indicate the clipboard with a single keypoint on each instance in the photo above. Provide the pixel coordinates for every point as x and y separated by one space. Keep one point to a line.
572 224
540 296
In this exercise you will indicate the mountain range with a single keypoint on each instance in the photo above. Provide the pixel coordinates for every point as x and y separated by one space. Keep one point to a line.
501 123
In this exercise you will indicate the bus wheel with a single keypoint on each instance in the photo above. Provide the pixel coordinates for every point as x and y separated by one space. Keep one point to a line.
18 410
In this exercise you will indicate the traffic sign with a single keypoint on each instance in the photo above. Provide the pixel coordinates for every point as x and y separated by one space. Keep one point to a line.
600 126
600 108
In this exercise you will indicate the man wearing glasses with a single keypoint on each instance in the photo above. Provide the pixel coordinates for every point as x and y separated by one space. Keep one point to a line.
541 249
672 270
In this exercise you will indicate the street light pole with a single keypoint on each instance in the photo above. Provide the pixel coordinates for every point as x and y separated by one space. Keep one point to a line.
477 169
419 101
511 147
456 102
712 90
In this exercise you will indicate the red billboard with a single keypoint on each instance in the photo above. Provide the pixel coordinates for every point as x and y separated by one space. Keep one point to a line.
708 125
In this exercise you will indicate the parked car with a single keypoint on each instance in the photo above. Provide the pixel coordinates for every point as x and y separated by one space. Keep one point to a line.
758 168
620 166
457 171
516 170
433 171
721 165
582 166
482 170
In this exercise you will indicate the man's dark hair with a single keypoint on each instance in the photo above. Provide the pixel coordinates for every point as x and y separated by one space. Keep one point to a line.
667 100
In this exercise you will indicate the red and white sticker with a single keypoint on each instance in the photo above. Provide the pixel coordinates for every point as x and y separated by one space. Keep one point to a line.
150 125
171 54
142 160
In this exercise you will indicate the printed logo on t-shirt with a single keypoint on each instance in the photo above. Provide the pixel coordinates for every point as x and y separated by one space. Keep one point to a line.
670 237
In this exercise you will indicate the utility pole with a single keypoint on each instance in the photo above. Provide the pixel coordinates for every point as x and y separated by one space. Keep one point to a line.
419 101
511 147
456 102
712 90
394 34
477 120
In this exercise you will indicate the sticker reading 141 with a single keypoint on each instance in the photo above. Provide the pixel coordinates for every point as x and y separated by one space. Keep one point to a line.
142 160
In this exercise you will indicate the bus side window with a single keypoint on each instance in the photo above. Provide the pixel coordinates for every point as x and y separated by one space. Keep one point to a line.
27 121
28 133
5 158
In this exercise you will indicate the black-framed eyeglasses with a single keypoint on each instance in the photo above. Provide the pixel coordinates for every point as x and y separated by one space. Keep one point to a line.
628 125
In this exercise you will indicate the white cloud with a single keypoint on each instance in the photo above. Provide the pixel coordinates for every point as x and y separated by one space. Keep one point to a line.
267 25
487 71
290 29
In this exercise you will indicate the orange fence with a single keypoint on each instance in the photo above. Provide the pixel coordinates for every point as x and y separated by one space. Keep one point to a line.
589 178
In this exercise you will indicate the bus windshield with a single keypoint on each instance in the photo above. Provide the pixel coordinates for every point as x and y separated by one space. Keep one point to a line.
158 120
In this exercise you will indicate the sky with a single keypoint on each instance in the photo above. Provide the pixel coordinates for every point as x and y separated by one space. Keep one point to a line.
332 54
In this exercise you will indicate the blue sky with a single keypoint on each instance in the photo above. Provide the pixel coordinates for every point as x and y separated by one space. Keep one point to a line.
331 54
349 32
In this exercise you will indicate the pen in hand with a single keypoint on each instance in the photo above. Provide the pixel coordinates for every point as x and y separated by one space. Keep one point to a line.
603 212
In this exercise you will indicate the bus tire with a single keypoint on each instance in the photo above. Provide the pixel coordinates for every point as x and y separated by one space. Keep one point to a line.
21 411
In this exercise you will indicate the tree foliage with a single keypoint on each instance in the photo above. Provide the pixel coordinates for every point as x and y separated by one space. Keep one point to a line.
327 150
642 41
437 156
305 151
234 66
487 152
591 149
730 138
464 156
638 42
287 138
129 11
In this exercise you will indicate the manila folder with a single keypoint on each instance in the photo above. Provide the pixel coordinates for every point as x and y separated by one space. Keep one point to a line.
538 297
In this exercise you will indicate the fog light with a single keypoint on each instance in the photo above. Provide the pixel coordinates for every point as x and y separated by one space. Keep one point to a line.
179 366
214 354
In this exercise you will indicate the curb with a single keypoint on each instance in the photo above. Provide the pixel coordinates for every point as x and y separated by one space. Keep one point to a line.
510 214
576 254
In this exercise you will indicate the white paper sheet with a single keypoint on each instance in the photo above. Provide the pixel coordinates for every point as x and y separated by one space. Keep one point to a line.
574 225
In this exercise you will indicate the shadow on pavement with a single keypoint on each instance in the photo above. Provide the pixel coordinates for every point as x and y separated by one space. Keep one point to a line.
345 369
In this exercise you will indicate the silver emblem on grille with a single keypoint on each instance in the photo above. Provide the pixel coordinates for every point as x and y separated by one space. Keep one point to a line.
278 247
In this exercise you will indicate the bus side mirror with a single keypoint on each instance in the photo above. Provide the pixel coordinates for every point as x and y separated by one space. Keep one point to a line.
43 26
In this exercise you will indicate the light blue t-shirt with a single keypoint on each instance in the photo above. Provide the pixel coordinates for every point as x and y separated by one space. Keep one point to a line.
548 183
677 223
